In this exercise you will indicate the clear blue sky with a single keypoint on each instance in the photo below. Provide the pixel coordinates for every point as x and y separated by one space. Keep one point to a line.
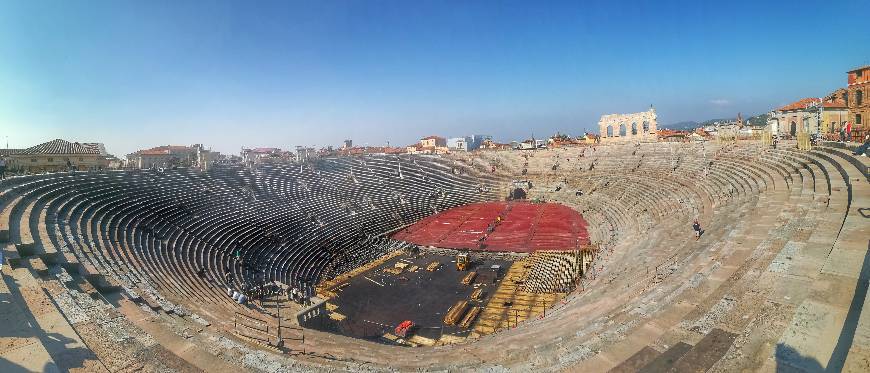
136 74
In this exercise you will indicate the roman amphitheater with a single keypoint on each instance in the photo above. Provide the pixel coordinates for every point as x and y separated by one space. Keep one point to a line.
566 259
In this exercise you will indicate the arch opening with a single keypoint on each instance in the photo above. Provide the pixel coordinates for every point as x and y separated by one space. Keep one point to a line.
518 193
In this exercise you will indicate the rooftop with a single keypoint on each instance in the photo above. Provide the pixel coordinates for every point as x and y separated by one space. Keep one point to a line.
58 146
265 150
800 104
834 104
164 150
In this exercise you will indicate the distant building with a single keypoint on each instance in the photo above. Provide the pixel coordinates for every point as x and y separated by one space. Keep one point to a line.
172 156
360 150
667 135
58 155
562 140
9 152
489 144
348 144
474 142
429 145
858 87
393 150
834 115
467 143
266 155
531 144
114 163
589 138
457 144
809 115
433 142
304 153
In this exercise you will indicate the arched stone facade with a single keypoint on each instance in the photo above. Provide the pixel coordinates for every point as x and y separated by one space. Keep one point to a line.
628 127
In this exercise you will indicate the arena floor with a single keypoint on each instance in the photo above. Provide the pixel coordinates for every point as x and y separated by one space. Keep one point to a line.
374 302
524 227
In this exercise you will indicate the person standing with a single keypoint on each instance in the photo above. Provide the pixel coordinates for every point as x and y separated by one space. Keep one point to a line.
2 168
862 150
848 131
696 226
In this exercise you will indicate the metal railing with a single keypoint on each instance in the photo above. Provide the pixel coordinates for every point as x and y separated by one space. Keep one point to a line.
264 331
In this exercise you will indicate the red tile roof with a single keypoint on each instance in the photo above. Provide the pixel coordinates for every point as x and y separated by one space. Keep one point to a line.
390 150
433 138
865 67
59 146
800 104
671 133
834 104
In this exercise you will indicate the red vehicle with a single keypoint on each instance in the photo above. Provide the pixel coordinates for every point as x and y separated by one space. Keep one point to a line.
403 328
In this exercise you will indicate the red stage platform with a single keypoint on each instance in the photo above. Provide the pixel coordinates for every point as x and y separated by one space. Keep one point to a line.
522 227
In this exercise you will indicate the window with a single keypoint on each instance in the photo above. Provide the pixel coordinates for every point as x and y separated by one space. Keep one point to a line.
857 118
51 159
81 159
859 97
33 160
859 73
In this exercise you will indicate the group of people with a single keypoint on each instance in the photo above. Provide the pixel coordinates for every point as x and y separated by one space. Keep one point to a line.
846 132
263 291
846 136
267 289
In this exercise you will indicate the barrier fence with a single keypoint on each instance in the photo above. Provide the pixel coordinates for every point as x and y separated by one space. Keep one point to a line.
266 332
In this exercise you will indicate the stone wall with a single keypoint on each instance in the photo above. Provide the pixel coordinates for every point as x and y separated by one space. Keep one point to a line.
634 127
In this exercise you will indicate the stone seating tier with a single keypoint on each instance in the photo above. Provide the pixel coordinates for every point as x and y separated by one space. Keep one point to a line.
782 260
